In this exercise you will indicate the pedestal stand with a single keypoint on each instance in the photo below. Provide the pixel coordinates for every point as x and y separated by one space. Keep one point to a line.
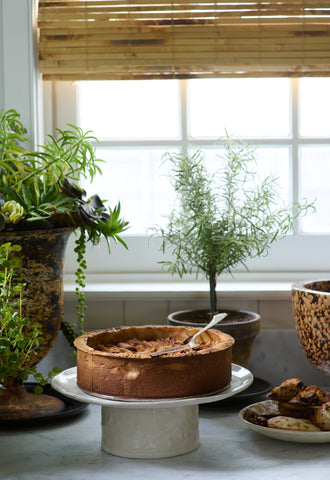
150 433
149 428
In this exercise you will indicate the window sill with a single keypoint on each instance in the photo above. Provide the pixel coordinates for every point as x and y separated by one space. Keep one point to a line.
160 286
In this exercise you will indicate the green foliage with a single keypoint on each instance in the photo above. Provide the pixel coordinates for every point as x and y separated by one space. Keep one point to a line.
33 179
80 281
19 337
39 189
222 219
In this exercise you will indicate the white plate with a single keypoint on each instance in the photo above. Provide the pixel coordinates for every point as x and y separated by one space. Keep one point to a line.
285 435
66 383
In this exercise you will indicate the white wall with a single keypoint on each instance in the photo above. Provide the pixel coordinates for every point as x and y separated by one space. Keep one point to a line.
18 72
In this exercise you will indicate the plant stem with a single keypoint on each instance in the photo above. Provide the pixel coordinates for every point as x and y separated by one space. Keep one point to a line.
213 295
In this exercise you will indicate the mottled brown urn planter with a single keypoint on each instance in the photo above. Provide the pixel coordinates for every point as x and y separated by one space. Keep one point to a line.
241 325
311 309
42 258
18 404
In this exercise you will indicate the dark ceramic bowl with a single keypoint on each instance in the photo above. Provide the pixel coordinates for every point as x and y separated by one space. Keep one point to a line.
311 309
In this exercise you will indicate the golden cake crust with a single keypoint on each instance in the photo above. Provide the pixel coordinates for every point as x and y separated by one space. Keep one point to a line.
131 374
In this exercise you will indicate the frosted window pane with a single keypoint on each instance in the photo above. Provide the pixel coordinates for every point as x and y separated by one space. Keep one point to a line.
314 184
315 107
138 179
243 107
131 109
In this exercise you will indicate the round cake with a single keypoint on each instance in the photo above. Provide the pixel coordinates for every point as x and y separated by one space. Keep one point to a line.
118 363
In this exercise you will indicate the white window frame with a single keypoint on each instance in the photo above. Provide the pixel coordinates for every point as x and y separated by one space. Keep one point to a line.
291 258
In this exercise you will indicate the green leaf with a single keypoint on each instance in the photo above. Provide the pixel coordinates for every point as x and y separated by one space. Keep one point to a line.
25 375
38 377
38 390
57 370
22 343
27 195
12 324
11 194
13 358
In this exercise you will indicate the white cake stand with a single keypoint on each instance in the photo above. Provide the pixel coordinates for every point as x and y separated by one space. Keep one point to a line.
149 428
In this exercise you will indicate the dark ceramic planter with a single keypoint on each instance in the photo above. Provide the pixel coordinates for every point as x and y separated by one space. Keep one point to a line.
241 325
311 309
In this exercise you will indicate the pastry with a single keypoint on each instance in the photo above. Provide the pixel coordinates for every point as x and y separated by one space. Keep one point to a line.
321 417
289 423
286 390
302 405
117 362
311 395
305 403
259 413
296 410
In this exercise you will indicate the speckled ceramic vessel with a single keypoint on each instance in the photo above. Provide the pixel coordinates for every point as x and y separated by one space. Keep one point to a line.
311 308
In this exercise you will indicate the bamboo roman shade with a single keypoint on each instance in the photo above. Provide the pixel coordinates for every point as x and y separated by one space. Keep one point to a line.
126 39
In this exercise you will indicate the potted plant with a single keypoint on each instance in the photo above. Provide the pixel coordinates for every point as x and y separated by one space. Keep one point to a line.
19 338
41 203
220 220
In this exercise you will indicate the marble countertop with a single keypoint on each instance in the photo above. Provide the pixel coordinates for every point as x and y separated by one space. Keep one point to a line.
71 450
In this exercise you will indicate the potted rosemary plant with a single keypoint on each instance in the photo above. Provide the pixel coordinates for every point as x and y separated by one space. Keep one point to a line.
41 203
220 220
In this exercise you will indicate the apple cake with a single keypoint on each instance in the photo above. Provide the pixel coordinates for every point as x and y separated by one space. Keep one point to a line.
116 362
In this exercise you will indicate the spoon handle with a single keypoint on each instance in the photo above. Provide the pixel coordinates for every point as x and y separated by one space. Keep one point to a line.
216 319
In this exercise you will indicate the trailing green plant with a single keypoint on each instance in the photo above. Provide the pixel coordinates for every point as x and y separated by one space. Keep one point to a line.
19 337
223 218
40 189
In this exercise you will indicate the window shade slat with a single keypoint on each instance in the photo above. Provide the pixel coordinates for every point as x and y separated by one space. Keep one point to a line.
107 39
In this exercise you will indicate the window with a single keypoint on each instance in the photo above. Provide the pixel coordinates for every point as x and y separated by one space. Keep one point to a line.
138 121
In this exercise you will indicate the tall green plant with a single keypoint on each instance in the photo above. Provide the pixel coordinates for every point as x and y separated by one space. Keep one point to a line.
224 218
40 190
44 182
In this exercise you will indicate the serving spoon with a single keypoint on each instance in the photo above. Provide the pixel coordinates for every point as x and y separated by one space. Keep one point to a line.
192 343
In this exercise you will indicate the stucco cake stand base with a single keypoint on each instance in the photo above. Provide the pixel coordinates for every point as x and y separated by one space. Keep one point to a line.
149 428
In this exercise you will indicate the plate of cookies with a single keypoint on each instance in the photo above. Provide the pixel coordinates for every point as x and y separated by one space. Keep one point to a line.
293 412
